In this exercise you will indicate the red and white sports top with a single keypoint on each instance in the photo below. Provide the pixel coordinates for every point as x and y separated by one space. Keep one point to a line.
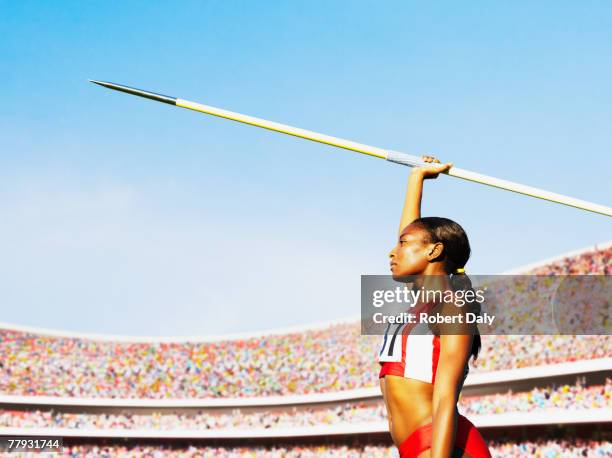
409 354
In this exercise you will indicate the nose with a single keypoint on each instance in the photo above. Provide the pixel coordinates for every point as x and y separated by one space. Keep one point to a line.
392 253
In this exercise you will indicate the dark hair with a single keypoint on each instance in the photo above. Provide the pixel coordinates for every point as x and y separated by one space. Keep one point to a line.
455 256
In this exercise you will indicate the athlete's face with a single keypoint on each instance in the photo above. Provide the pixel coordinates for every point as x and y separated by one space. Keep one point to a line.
413 253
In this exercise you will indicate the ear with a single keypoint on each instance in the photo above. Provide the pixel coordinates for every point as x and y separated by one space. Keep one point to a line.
435 251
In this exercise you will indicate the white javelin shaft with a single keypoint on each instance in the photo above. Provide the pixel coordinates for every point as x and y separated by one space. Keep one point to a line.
397 157
393 156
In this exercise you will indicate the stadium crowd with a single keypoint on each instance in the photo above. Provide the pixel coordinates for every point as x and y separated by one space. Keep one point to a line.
596 261
545 304
315 361
542 448
310 362
568 397
574 448
569 296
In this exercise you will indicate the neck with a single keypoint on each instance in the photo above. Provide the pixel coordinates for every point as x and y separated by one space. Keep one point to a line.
433 278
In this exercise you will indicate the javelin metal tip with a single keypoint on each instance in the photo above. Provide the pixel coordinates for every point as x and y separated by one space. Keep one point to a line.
139 92
101 83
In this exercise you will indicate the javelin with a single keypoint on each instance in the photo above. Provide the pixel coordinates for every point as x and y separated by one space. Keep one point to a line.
389 155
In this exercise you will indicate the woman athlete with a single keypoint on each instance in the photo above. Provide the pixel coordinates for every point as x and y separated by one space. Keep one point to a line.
422 375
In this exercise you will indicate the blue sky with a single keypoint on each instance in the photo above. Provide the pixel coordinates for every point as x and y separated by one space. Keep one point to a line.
125 216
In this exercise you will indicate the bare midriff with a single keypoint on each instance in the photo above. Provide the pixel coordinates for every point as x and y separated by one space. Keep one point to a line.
409 405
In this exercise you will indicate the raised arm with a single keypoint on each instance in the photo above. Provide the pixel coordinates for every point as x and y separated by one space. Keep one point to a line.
414 192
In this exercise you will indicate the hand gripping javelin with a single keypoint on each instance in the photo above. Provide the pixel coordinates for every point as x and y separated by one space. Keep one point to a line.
393 156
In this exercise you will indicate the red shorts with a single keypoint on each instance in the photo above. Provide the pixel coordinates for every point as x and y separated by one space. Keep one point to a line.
468 439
